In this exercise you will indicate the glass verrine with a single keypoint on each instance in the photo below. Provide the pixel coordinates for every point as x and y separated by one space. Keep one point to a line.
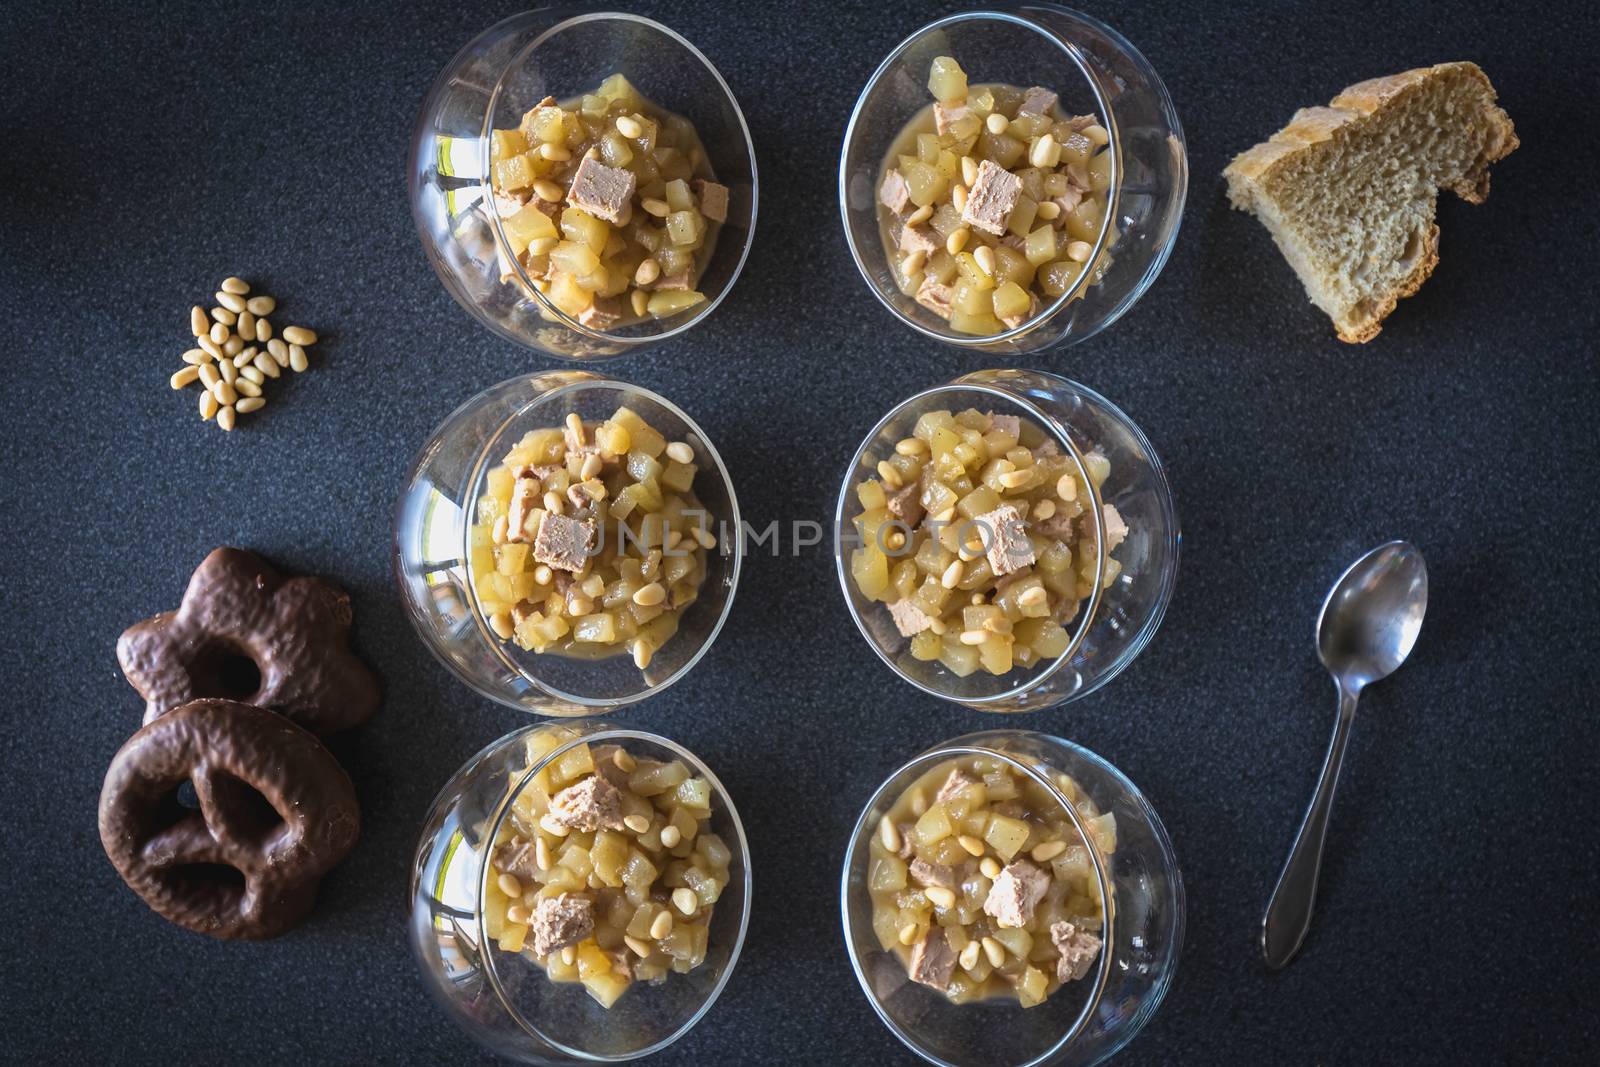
433 559
1114 622
1142 901
505 71
504 999
1096 71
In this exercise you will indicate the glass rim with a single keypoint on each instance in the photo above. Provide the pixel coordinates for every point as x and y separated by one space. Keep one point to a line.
1087 614
577 382
503 244
966 746
1114 181
598 735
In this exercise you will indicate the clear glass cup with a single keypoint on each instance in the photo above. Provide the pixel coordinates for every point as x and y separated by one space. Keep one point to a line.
1084 1022
434 520
503 999
503 72
1095 70
1113 624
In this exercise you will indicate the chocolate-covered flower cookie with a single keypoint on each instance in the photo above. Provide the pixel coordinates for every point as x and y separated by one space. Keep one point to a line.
276 812
245 633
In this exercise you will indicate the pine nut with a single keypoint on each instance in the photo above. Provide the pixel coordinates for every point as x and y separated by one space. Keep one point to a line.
1044 509
263 331
197 356
208 404
957 240
985 257
225 417
1045 152
198 324
210 347
973 637
237 286
248 404
247 386
911 446
260 305
670 836
662 926
592 465
629 126
501 527
913 264
229 372
574 424
233 345
908 934
552 502
1048 851
299 335
969 956
267 365
543 574
1067 488
1034 598
251 375
650 595
890 476
889 835
569 955
247 325
555 153
625 763
637 823
209 376
541 854
685 901
649 270
637 947
958 196
1098 135
220 332
997 123
680 451
706 538
994 950
184 376
226 393
297 359
232 301
919 216
224 316
551 827
1016 479
579 606
548 191
1049 211
509 884
640 301
989 867
659 208
1078 251
952 575
895 541
243 359
969 171
941 897
973 846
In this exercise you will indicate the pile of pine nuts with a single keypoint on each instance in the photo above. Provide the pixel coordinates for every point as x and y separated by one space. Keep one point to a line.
237 352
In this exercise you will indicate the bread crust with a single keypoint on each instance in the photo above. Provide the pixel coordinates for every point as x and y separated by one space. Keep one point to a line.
1343 117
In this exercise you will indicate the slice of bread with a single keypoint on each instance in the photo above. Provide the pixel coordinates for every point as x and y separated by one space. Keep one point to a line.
1349 191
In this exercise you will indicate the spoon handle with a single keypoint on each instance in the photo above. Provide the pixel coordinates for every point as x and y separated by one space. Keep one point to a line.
1289 911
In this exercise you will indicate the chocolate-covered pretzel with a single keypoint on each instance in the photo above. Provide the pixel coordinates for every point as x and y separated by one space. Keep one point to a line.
245 633
276 812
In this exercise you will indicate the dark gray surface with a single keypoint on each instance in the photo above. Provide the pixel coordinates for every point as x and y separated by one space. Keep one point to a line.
150 154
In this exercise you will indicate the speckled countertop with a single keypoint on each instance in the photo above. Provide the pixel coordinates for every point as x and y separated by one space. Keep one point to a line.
151 152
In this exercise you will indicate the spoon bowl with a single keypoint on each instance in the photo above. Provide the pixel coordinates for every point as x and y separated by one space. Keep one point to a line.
1371 618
